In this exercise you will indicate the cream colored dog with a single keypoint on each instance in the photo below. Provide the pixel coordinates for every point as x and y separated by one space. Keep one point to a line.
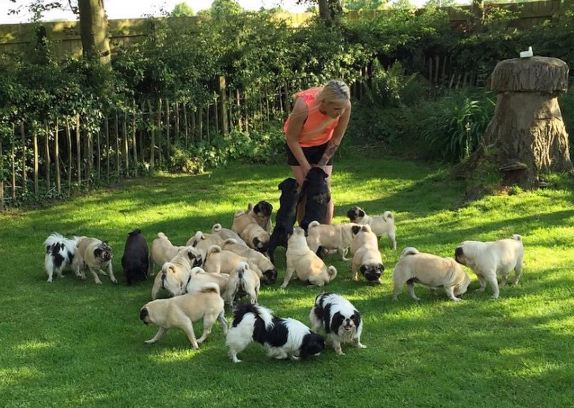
262 214
223 261
162 250
338 236
253 256
305 263
380 224
366 256
94 254
243 281
174 274
198 277
182 311
490 259
429 270
226 233
245 224
203 241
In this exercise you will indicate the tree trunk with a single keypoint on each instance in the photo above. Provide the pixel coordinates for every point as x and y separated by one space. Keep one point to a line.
24 153
47 156
79 151
13 159
222 102
57 158
69 157
1 177
35 143
134 141
94 30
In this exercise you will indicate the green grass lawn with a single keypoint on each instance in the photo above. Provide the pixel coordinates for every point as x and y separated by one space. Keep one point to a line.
73 343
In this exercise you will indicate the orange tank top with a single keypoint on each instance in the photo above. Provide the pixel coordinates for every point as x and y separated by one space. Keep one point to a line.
318 127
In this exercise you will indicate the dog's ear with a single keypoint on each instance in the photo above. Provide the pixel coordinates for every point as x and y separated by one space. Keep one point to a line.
366 228
363 269
361 213
355 229
171 269
458 253
249 207
98 252
356 318
381 267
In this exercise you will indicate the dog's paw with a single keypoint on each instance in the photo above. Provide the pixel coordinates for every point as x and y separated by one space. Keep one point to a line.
480 290
114 280
150 341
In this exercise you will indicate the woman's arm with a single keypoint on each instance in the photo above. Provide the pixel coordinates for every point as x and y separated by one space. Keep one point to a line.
296 121
338 134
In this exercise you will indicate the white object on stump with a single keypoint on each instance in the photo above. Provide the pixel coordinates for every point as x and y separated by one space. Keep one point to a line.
526 54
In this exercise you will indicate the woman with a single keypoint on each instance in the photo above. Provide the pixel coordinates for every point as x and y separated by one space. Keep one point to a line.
314 130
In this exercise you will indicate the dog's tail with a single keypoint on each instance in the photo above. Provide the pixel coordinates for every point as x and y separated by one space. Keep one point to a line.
388 215
216 227
162 235
213 250
409 251
332 271
313 224
209 287
517 237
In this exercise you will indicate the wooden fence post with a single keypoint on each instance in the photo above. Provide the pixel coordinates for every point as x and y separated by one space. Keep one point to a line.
99 152
35 144
47 155
200 122
13 160
222 104
70 158
185 128
152 148
193 125
1 177
107 134
134 140
126 147
207 123
78 152
117 137
167 129
176 136
57 159
24 152
159 108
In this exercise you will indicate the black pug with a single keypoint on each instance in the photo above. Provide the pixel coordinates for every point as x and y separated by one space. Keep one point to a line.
317 197
262 211
285 218
135 260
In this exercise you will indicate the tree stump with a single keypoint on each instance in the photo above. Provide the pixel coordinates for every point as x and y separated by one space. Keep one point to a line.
527 133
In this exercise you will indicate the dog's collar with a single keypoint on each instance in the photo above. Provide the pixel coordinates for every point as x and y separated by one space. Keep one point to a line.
187 284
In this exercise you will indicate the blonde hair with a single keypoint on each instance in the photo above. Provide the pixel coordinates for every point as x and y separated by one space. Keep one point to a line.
334 91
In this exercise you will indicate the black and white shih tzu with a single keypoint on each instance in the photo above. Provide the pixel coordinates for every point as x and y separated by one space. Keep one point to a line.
59 254
339 319
282 338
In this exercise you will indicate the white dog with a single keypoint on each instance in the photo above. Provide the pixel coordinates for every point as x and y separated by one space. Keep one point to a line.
162 251
380 224
60 252
339 319
489 259
283 338
429 270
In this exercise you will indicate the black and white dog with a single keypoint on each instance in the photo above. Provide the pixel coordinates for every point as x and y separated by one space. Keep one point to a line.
286 216
339 319
317 197
135 260
283 338
60 252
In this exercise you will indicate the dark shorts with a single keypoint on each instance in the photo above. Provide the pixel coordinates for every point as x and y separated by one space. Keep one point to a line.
313 154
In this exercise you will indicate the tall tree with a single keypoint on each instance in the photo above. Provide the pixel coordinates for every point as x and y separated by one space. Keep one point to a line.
94 30
182 10
222 8
329 10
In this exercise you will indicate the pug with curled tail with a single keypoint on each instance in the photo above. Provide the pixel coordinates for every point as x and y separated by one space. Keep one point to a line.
491 259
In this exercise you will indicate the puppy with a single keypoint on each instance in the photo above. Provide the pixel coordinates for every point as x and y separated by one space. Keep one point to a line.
203 241
60 252
226 233
338 236
339 319
198 277
135 260
367 258
223 261
286 216
489 259
429 270
282 338
175 274
182 311
262 214
162 250
95 255
317 197
305 263
256 257
380 224
242 282
245 224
